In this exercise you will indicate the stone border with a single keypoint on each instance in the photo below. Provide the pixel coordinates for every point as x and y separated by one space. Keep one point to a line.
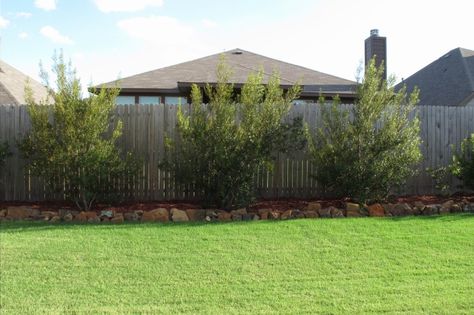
311 210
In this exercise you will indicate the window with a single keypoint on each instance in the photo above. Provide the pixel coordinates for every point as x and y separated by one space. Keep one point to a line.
175 100
125 100
149 100
302 102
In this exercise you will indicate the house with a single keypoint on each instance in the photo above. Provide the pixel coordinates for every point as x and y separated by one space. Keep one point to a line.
12 86
172 85
446 81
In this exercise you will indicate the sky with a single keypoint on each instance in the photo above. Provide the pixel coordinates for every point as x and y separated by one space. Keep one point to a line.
110 39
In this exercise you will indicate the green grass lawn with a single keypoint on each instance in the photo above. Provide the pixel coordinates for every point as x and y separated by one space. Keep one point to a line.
407 265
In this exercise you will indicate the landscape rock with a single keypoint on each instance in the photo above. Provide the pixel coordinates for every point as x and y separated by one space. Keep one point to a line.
68 217
352 209
55 219
63 212
264 215
95 219
21 212
313 206
3 213
325 213
446 207
212 212
224 216
455 208
118 218
81 217
402 209
430 210
468 207
351 206
236 217
256 217
49 214
376 210
311 214
286 215
130 216
156 215
336 213
388 208
91 214
298 214
107 213
179 215
196 214
85 216
248 217
139 213
262 211
419 206
273 215
241 211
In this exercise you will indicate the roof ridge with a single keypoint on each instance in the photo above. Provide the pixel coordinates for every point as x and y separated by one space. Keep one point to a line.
292 64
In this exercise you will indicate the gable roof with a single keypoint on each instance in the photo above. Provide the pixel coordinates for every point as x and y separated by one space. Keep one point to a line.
12 86
446 81
174 78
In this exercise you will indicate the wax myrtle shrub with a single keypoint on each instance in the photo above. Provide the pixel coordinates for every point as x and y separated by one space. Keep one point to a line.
72 143
463 163
461 166
364 151
221 145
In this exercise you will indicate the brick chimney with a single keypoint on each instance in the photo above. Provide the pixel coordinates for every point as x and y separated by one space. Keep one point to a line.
376 45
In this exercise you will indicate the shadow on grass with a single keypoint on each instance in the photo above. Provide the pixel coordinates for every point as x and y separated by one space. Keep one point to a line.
446 217
27 226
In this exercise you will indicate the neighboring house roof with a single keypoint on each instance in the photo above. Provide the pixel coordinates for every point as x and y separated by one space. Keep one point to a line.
12 86
446 81
176 78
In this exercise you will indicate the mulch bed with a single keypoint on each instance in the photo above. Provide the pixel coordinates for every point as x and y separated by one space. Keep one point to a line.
281 204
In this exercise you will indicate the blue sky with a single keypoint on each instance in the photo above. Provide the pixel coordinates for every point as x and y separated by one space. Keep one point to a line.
106 39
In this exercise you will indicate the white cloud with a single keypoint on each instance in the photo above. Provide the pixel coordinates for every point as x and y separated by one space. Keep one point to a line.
23 35
55 36
47 5
126 5
162 30
208 23
302 39
3 22
160 41
25 15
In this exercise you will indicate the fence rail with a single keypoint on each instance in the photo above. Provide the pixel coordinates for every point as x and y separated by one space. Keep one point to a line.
144 127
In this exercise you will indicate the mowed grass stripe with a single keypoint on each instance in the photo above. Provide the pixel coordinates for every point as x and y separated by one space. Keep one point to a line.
399 265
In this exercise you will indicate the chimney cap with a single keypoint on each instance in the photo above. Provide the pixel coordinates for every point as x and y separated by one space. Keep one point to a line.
374 32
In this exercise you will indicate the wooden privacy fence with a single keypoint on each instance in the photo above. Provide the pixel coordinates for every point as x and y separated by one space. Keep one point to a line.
146 125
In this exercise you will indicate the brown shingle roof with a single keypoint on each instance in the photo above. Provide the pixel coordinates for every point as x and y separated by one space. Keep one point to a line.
12 86
242 62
